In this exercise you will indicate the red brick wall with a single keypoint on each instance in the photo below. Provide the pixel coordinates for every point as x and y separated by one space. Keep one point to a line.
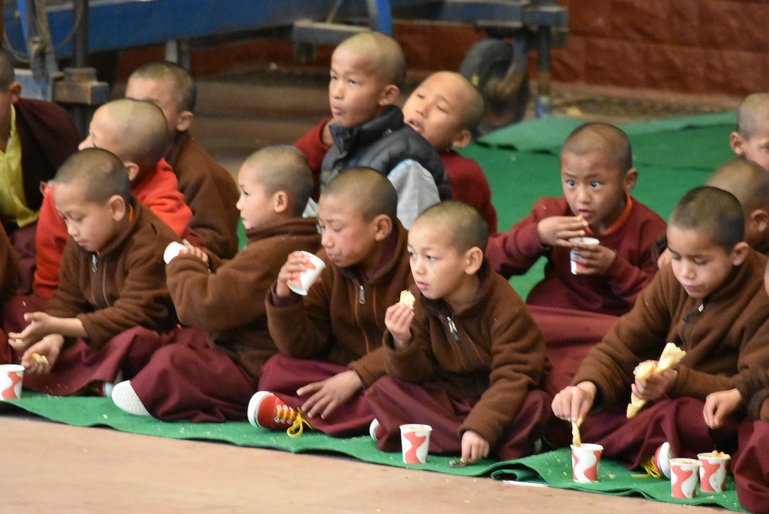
689 46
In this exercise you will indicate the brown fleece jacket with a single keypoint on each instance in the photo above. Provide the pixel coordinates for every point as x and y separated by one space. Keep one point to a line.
341 320
490 353
226 301
724 336
122 286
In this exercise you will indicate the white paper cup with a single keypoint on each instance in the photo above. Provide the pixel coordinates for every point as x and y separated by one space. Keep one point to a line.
11 376
415 443
172 250
683 478
312 268
577 267
585 460
713 471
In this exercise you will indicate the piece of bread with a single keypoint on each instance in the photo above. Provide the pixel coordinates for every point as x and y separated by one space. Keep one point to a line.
671 355
407 298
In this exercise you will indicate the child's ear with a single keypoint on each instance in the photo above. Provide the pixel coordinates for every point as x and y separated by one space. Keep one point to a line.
760 218
473 260
740 253
737 144
631 176
389 95
184 121
15 92
383 227
133 170
117 207
280 202
462 139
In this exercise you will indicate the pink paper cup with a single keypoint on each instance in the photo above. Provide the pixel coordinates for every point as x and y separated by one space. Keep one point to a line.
577 267
415 443
683 478
713 471
302 282
11 376
585 460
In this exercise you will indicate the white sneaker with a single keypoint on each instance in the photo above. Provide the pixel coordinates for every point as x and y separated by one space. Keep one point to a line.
125 398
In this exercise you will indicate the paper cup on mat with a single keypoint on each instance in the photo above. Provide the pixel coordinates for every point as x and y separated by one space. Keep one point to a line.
415 443
11 376
683 478
713 471
585 459
577 267
301 283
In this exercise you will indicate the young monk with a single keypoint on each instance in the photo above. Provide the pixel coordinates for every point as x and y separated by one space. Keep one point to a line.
330 340
467 359
749 183
711 303
208 188
445 109
367 128
104 318
135 131
213 368
751 139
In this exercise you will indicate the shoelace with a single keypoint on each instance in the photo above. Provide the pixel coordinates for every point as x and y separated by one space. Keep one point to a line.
287 415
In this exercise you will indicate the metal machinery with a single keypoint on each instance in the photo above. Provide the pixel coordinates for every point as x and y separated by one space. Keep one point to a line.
44 32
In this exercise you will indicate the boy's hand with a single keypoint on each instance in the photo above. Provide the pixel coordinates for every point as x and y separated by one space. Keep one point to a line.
595 259
557 230
474 447
398 322
40 325
48 347
573 403
656 386
294 266
196 252
328 394
719 405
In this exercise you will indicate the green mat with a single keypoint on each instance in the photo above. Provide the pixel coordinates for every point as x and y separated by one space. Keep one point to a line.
553 468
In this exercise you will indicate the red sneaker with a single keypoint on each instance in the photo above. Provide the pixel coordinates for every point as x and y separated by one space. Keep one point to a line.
265 410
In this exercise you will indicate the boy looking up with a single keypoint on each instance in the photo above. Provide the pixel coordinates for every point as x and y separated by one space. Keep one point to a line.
597 174
330 340
135 131
213 369
467 359
711 303
208 188
112 296
367 128
445 109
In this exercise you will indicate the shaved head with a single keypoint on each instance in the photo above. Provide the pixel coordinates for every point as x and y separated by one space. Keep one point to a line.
368 190
139 130
714 213
100 173
752 110
463 222
384 54
746 180
604 139
282 168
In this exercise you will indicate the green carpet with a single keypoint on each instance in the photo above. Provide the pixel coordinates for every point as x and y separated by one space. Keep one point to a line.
553 468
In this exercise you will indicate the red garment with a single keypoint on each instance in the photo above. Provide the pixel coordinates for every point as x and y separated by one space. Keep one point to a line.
395 402
469 184
192 380
314 149
158 190
751 465
80 363
614 292
283 375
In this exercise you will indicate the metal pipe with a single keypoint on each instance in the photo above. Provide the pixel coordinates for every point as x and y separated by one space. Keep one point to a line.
80 38
544 106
